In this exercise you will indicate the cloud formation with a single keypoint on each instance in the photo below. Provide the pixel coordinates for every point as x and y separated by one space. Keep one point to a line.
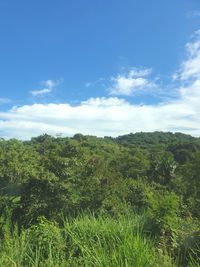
48 87
113 116
190 67
104 116
128 84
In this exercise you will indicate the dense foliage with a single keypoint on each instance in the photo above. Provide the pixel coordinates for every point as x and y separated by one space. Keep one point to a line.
87 201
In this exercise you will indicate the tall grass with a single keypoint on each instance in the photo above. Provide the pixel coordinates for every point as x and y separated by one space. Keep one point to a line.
83 242
107 242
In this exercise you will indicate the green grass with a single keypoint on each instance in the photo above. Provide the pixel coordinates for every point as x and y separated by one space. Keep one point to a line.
83 242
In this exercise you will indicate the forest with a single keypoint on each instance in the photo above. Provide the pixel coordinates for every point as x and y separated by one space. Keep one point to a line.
85 201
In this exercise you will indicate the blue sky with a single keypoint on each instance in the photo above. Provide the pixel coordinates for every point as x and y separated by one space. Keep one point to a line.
99 67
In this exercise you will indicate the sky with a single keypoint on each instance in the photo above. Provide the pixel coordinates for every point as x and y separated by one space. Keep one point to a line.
104 68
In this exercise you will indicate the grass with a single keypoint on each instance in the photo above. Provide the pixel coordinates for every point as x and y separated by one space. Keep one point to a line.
83 242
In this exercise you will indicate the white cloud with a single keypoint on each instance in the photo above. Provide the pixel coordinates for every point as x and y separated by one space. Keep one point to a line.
190 67
48 87
128 84
140 72
114 116
104 102
103 116
41 92
50 84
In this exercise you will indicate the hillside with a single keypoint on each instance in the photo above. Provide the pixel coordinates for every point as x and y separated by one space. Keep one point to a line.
87 201
155 138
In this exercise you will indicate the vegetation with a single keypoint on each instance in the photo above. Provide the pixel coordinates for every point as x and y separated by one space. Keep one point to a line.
87 201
